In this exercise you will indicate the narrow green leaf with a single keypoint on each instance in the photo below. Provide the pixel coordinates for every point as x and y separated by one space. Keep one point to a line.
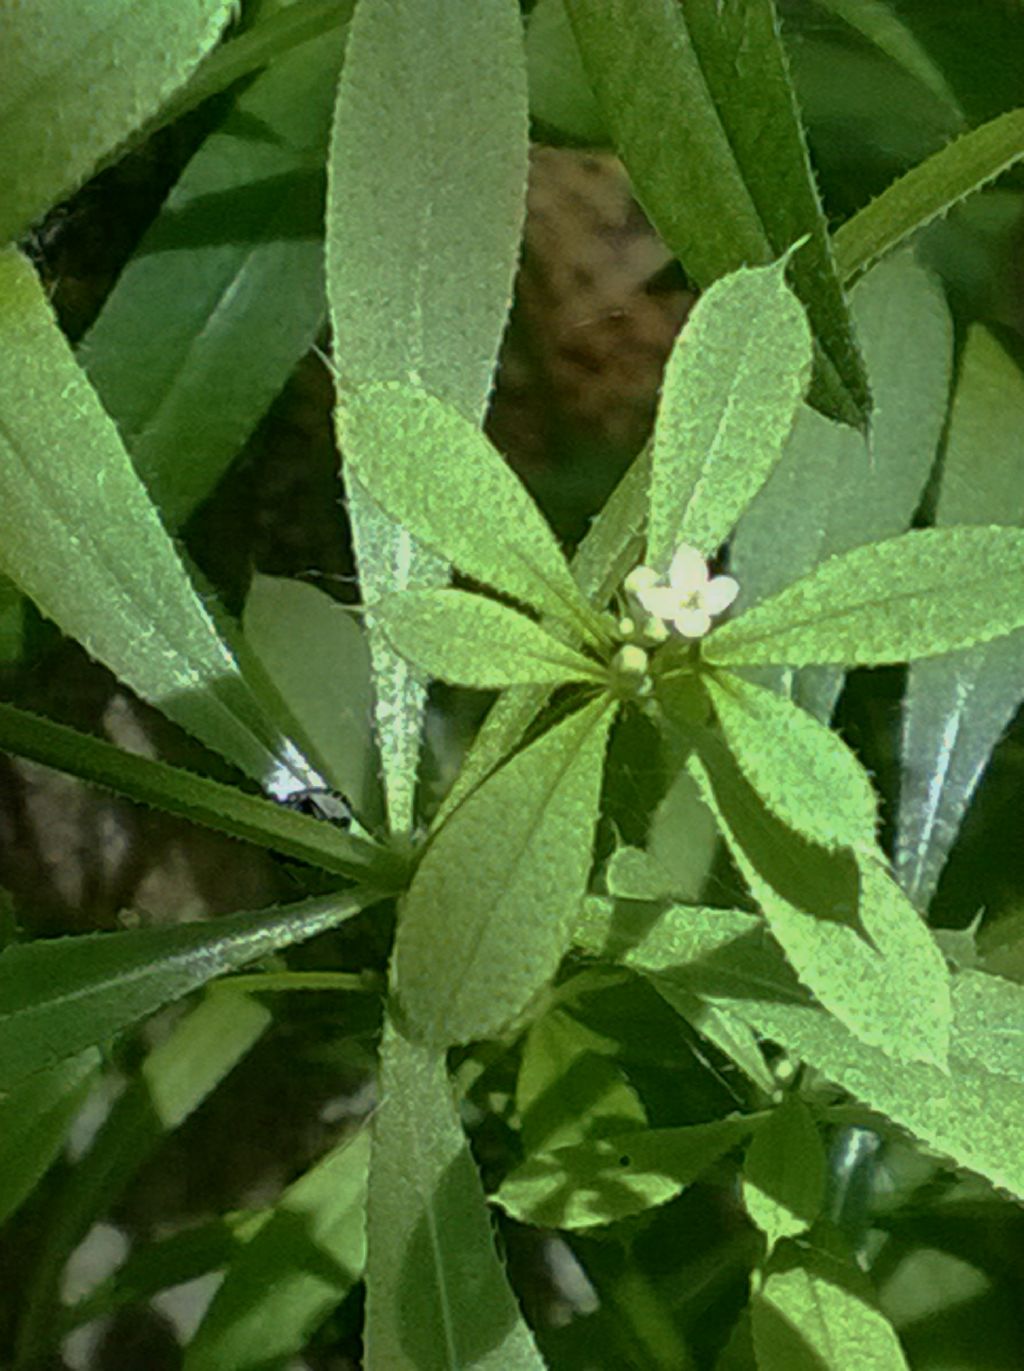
614 543
833 490
78 535
290 1275
315 652
118 61
175 1078
927 592
436 1293
159 1265
569 1092
881 25
274 34
34 1120
614 1178
500 734
731 389
969 1114
197 798
437 475
803 772
561 97
810 1315
892 991
956 708
928 191
469 640
784 1172
60 996
203 326
490 911
700 105
426 199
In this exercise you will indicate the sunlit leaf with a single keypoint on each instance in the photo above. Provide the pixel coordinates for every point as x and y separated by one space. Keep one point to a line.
613 1178
425 205
927 592
114 61
472 641
834 489
490 911
78 535
814 1314
847 929
436 1292
802 770
967 1113
731 388
437 475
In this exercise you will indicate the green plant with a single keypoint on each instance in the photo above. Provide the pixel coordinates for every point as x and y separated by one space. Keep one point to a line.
566 973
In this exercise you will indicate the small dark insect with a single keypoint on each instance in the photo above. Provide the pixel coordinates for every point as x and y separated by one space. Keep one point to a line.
320 803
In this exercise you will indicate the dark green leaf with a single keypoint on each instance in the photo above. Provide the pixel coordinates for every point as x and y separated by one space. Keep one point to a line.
561 97
273 34
173 1081
731 389
974 1116
437 1296
490 911
472 641
700 105
34 1120
927 191
881 25
204 325
784 1172
567 1090
290 1275
197 798
60 996
75 85
927 592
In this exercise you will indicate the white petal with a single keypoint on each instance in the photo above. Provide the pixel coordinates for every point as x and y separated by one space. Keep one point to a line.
692 623
640 578
720 593
660 600
689 571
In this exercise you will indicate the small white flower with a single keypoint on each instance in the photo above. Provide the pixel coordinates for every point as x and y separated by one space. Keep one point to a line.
690 599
